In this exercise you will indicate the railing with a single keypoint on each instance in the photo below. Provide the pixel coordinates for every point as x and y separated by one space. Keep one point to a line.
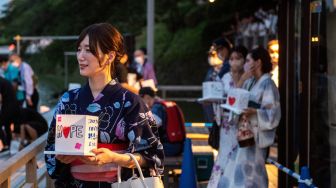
165 88
27 158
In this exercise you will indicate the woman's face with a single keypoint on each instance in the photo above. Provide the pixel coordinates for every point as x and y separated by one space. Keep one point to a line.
88 63
251 64
236 61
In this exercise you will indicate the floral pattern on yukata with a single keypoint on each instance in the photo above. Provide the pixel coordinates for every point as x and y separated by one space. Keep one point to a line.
123 118
237 167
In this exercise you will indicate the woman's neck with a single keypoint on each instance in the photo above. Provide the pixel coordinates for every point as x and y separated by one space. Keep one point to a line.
236 75
98 83
258 74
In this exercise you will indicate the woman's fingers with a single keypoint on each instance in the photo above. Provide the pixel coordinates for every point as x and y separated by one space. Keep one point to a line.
89 159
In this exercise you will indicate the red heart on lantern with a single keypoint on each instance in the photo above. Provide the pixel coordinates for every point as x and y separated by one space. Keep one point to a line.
232 100
66 131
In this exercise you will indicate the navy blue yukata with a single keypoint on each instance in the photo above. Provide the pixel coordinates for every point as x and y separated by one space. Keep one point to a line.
123 119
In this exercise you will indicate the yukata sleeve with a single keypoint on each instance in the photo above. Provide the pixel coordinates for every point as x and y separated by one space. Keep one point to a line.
270 112
142 132
55 168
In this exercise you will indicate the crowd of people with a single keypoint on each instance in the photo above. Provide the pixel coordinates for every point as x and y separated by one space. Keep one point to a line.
260 22
134 119
236 67
19 115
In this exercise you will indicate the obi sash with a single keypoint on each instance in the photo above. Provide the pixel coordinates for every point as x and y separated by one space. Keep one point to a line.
104 173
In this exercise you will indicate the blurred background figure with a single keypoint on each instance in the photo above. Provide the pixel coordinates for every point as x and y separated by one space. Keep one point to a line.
142 66
121 73
7 70
29 126
36 96
9 109
169 117
25 87
273 49
218 59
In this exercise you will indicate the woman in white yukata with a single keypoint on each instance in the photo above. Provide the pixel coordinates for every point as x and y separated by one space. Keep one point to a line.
238 167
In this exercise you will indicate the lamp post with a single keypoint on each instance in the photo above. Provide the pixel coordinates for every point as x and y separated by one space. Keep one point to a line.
17 38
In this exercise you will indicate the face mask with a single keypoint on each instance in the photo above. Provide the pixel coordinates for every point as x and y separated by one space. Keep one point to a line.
214 61
139 60
15 64
247 67
237 62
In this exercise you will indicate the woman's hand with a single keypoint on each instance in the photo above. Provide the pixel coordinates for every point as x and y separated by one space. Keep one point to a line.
66 159
249 112
102 156
245 76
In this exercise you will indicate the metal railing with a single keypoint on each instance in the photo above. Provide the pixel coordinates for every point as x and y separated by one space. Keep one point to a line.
165 88
27 158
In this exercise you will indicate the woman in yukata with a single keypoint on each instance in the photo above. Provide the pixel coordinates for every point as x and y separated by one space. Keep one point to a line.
125 124
245 166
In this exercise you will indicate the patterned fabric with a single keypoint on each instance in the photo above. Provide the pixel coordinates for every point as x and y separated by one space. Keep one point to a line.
237 167
123 118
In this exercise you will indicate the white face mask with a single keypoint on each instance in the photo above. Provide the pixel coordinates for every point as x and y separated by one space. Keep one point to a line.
238 63
247 67
139 60
214 61
15 64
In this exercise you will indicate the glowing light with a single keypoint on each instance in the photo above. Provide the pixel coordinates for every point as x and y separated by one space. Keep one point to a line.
273 49
211 1
17 37
315 39
11 47
274 45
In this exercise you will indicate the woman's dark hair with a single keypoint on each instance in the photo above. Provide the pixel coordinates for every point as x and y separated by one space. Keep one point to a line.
265 58
107 38
241 51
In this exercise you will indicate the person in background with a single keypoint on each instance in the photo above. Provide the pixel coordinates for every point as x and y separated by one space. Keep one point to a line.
125 123
35 97
249 162
161 116
228 144
8 71
30 125
25 88
143 66
121 74
218 59
9 109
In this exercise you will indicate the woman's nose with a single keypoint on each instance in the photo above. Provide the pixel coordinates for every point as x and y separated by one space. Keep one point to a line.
80 54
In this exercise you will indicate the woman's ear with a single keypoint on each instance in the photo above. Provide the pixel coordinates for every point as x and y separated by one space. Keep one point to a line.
259 63
111 57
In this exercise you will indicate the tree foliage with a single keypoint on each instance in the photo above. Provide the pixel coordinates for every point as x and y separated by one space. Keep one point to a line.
184 29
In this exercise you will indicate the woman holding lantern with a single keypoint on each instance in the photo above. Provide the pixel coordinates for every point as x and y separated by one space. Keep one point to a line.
244 165
124 126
